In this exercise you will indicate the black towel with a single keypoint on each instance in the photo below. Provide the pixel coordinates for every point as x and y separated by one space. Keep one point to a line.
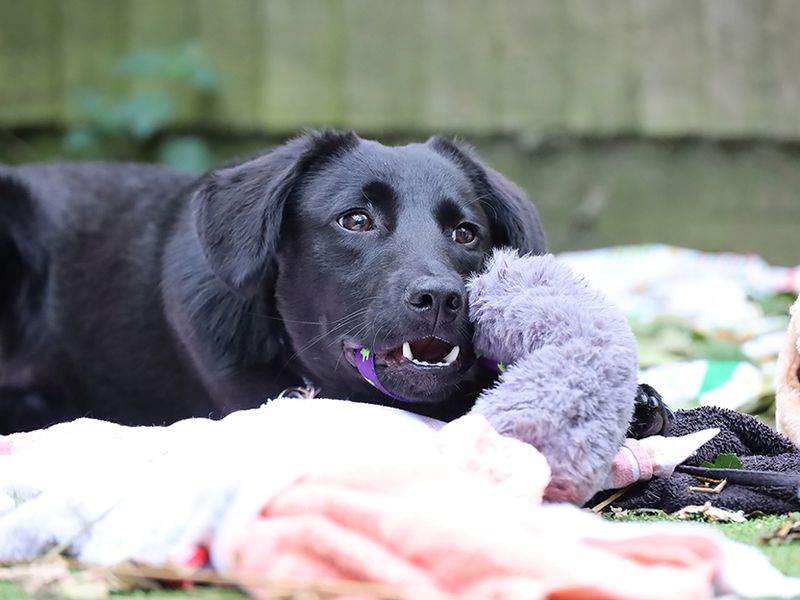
758 447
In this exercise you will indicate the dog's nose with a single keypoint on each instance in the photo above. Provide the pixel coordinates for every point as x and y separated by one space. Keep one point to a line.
437 300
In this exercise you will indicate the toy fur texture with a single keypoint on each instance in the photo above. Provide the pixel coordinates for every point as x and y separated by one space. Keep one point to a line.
571 381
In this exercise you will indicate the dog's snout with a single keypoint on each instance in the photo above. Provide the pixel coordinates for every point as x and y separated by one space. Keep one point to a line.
439 301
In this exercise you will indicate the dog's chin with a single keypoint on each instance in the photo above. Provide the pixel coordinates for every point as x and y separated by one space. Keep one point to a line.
412 384
422 371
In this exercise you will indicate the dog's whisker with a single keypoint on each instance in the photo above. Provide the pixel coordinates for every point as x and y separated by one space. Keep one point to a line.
282 320
339 325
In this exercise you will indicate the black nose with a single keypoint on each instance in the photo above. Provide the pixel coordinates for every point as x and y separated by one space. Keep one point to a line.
437 300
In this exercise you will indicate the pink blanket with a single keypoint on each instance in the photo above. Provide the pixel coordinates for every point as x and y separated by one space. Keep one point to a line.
477 530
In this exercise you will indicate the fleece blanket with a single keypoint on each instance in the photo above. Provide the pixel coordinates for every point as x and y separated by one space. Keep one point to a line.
310 489
757 446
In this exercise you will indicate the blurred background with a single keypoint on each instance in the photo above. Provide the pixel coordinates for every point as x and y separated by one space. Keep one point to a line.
670 122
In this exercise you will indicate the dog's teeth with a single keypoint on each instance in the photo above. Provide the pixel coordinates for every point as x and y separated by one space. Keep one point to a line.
407 351
451 356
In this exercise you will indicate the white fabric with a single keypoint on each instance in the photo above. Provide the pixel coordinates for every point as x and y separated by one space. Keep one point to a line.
148 493
110 493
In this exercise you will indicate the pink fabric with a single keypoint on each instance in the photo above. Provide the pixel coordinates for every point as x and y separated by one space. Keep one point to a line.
466 521
634 462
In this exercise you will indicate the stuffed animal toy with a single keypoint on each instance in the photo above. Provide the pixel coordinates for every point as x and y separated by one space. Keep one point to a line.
787 380
569 367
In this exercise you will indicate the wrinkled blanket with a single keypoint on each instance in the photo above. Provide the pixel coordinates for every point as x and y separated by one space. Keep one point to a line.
322 489
759 448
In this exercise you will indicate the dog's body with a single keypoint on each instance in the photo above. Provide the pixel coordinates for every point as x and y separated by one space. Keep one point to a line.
141 295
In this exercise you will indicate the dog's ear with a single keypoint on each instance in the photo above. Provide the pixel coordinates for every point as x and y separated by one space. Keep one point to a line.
238 210
513 217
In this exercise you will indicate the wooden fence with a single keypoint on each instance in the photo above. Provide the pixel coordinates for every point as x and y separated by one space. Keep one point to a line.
588 67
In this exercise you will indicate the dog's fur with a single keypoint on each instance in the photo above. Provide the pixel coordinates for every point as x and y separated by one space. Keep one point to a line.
141 295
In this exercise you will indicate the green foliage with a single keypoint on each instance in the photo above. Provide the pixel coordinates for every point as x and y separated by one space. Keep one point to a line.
667 339
725 460
138 123
775 304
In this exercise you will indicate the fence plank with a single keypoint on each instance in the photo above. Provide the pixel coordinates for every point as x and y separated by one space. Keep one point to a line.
591 67
739 86
782 59
30 85
156 25
302 82
386 72
91 44
601 70
670 44
465 48
531 83
232 42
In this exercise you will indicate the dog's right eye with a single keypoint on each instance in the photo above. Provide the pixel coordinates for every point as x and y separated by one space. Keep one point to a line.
356 220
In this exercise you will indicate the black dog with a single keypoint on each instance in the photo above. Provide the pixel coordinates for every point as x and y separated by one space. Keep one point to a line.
137 294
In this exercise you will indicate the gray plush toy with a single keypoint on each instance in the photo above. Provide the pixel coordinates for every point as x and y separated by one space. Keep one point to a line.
570 375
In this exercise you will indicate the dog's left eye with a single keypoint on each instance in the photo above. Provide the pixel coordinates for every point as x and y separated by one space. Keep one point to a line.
355 221
464 233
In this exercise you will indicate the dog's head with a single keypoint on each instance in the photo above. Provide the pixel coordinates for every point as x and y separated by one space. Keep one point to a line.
365 246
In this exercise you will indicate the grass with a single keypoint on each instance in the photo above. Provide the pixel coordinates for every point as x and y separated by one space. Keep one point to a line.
10 591
786 557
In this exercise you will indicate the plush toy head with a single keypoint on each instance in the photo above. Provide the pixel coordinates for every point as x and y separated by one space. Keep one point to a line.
571 375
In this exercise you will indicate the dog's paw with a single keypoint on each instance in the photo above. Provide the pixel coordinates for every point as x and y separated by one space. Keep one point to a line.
651 415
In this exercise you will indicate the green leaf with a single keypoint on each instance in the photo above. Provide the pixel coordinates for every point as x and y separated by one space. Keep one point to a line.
775 304
189 153
184 64
90 103
145 113
725 460
204 79
80 140
150 62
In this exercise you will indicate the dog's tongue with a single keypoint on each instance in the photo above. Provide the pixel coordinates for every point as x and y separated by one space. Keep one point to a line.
430 349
